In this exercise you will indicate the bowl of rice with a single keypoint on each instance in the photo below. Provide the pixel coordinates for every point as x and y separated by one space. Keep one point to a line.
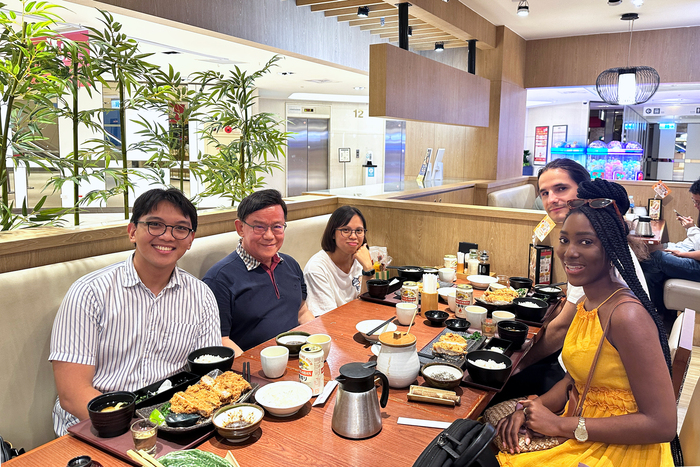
206 359
488 368
284 398
530 309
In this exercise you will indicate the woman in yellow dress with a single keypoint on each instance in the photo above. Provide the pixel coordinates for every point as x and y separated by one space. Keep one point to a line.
628 417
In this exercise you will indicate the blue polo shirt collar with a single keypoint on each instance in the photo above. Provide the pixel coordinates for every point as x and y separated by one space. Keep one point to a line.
249 261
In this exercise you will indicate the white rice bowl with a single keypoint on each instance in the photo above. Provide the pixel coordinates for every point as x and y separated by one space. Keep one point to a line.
283 398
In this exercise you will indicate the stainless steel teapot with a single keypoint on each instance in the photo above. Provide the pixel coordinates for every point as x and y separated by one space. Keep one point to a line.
356 414
643 227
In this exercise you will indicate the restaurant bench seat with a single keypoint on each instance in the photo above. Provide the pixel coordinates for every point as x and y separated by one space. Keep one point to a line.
31 298
680 294
521 197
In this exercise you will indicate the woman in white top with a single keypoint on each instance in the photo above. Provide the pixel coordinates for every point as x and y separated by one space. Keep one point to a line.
337 274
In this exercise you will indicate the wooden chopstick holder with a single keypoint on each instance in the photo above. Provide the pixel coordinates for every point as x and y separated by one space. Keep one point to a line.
437 396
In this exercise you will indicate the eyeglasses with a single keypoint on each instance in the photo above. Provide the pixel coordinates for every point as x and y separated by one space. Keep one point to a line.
180 232
346 232
598 203
277 229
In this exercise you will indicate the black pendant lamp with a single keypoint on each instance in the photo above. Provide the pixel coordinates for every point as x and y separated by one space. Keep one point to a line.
627 85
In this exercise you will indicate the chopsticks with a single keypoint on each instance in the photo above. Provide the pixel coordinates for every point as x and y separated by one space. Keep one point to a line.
144 458
229 457
246 371
384 324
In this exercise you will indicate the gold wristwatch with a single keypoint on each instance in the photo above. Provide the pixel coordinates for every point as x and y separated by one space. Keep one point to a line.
580 433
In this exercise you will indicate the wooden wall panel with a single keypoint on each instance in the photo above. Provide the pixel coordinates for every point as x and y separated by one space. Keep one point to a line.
577 61
407 86
511 125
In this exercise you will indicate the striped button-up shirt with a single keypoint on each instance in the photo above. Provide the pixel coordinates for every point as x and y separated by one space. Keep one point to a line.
134 338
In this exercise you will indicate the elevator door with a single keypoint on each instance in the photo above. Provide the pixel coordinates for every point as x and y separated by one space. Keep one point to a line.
307 155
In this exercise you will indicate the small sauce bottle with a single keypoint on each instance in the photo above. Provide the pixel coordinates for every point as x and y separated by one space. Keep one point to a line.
484 268
472 263
488 328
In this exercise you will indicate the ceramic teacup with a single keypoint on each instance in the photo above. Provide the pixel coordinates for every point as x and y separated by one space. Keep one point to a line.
446 274
274 360
500 315
405 312
476 315
323 340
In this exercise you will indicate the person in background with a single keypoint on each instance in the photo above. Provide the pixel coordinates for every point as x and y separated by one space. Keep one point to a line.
260 292
338 273
675 260
133 323
540 369
625 421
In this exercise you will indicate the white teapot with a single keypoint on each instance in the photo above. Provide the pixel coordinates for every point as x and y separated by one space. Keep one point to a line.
398 358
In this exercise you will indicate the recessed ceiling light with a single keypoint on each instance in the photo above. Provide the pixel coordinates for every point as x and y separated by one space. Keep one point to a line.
172 52
439 46
363 11
358 88
614 2
637 3
285 73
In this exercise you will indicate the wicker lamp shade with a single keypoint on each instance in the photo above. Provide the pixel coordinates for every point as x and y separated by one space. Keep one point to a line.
613 85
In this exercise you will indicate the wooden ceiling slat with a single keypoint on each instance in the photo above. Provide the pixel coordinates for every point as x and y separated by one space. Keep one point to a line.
336 5
394 32
352 12
373 15
369 24
313 2
447 45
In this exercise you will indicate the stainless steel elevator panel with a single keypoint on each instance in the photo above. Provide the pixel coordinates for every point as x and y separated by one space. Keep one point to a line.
307 155
297 156
318 154
394 154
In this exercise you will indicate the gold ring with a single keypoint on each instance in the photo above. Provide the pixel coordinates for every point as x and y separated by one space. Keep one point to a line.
525 411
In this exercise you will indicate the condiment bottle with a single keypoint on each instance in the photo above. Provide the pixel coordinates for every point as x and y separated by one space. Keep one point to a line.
484 267
488 328
472 263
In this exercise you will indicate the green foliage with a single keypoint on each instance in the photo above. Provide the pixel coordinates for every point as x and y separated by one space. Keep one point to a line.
526 158
29 83
233 172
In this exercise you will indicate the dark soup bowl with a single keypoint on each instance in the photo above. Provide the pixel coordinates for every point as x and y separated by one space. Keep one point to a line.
551 292
411 273
494 377
520 283
457 324
513 331
436 317
199 365
377 288
111 413
530 309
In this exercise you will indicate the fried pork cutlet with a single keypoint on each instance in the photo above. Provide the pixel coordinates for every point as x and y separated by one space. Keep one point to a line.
209 394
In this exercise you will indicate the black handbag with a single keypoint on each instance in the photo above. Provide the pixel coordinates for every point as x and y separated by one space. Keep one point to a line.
7 452
464 443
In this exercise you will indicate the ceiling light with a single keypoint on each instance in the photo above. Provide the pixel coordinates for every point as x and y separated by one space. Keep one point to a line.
614 2
439 46
304 96
363 11
627 85
359 88
445 1
523 8
637 3
285 73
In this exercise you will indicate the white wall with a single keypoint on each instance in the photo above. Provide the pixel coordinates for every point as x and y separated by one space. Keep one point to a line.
574 115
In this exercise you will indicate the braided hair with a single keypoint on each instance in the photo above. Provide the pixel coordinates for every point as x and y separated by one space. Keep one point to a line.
612 231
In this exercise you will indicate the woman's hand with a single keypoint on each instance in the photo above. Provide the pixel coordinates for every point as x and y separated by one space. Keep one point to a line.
363 257
540 419
508 429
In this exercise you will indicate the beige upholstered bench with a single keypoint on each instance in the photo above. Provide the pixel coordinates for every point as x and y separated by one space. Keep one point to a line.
680 294
521 197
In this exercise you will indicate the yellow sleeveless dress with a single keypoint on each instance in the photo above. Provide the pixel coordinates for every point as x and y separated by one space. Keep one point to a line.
609 395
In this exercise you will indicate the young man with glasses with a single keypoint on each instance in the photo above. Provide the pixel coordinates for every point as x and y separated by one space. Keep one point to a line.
339 272
260 292
675 260
133 323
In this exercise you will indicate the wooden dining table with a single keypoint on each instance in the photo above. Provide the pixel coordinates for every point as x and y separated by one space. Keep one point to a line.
306 438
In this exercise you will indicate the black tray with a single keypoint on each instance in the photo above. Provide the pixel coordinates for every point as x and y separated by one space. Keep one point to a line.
425 355
515 357
181 381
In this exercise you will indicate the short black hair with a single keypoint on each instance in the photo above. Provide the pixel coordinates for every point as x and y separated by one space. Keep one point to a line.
576 171
695 187
149 201
260 200
340 218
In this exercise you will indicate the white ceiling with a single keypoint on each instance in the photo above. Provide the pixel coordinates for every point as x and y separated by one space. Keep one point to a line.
560 18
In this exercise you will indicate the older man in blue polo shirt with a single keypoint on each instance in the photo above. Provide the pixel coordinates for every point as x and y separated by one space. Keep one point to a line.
260 292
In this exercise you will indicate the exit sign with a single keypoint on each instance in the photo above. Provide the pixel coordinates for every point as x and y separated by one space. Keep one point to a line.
667 126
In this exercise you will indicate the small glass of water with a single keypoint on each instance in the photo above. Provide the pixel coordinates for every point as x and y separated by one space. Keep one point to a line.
145 434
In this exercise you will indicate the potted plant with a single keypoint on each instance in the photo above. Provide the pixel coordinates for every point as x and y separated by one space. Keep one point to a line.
234 170
527 167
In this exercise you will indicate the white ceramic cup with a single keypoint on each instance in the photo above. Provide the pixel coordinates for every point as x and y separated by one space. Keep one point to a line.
476 315
500 315
405 312
446 274
323 340
274 360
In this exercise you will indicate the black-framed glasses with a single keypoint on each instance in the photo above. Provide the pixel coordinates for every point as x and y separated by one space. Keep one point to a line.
597 203
180 232
347 231
277 229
